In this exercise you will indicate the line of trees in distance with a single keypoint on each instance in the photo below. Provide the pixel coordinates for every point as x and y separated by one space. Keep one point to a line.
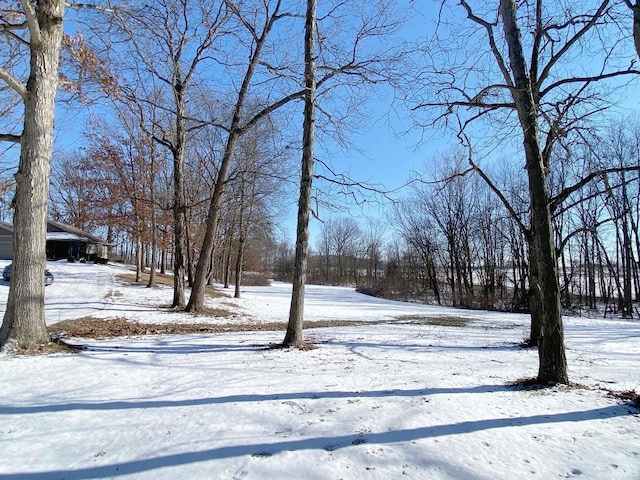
449 240
446 240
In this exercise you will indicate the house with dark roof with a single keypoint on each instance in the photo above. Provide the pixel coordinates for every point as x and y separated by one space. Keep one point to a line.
63 241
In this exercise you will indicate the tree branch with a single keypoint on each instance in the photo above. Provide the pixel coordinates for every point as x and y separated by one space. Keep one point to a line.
594 78
492 41
7 30
470 104
566 192
588 228
9 137
271 108
514 215
13 83
32 20
555 58
92 6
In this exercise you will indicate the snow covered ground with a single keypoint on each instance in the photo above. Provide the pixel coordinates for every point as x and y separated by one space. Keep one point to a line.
401 399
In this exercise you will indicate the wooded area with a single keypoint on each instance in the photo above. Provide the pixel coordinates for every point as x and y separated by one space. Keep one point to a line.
195 154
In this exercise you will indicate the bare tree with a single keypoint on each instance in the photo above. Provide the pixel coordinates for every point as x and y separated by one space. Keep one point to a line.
411 217
621 149
346 234
350 66
259 32
39 27
373 238
340 238
254 183
451 206
171 42
528 82
489 222
293 336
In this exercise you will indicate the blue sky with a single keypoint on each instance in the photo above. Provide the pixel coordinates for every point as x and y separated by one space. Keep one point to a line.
383 153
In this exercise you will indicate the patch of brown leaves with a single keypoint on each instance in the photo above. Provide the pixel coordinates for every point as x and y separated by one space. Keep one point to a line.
628 396
98 328
52 347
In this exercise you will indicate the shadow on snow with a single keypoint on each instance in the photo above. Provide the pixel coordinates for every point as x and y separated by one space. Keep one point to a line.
126 405
324 443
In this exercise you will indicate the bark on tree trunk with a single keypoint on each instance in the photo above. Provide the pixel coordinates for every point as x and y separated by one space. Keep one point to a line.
636 24
179 204
293 336
188 248
241 241
535 299
551 352
238 279
154 224
227 263
627 253
24 319
138 257
178 254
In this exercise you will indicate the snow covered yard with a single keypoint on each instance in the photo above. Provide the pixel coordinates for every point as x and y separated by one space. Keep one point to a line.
402 399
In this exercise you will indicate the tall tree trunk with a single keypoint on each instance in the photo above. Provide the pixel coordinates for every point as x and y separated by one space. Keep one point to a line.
179 203
551 351
196 300
178 254
242 238
594 259
154 223
535 299
239 260
293 337
452 273
627 259
188 248
24 319
226 261
627 251
139 260
636 264
565 289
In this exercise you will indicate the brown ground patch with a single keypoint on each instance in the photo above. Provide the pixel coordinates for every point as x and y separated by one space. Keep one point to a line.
304 346
630 397
161 278
438 321
97 328
212 312
54 346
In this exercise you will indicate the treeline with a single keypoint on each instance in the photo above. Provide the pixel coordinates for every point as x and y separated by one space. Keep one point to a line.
454 240
451 239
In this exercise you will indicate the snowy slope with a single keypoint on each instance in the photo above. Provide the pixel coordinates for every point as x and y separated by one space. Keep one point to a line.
376 401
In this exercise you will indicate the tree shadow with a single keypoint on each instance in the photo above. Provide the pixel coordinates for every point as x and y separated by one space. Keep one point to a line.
126 405
354 346
324 443
161 348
